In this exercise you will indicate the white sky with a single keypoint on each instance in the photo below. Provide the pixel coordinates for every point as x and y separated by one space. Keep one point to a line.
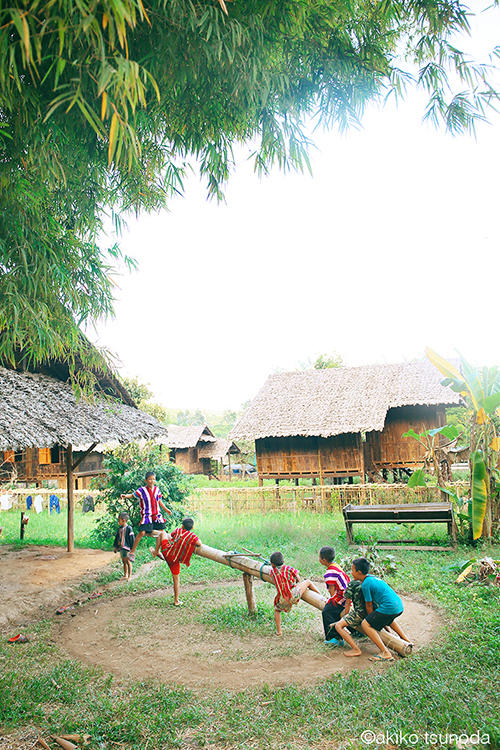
391 246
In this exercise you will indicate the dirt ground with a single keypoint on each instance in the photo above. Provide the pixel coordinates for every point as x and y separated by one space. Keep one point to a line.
143 636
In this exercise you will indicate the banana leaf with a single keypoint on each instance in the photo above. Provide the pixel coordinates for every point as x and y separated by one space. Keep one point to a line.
479 494
417 479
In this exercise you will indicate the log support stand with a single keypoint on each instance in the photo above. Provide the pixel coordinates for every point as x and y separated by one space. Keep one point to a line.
249 593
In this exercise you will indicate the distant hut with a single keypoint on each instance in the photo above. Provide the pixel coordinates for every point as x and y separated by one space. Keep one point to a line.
195 447
39 413
343 422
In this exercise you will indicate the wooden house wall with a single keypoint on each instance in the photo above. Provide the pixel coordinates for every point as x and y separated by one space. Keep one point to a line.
290 457
39 464
388 449
187 459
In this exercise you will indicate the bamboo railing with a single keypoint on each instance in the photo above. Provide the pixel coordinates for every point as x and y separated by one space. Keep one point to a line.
319 499
239 500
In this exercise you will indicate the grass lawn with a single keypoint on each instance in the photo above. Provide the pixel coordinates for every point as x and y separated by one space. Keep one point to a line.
450 688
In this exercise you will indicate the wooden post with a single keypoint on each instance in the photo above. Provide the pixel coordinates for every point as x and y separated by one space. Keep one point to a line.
24 521
248 583
71 502
229 465
361 457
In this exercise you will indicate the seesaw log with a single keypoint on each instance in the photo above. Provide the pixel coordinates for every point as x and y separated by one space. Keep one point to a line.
260 570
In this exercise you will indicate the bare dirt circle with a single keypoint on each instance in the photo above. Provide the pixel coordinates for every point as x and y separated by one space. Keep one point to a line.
142 636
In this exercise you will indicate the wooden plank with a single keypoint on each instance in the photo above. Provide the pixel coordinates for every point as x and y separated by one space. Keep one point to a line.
417 548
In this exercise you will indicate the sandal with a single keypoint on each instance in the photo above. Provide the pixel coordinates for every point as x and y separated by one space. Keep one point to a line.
20 638
64 609
377 657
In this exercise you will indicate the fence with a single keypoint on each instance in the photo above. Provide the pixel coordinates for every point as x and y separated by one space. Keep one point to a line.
324 499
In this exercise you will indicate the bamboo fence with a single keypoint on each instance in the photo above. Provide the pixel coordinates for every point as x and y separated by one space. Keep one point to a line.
240 500
319 499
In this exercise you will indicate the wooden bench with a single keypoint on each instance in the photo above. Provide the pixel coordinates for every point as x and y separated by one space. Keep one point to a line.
413 513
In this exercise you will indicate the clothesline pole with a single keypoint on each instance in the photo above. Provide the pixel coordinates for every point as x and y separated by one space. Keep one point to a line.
71 501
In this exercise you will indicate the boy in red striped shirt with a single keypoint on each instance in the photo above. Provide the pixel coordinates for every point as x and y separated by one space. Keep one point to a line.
336 581
175 548
290 587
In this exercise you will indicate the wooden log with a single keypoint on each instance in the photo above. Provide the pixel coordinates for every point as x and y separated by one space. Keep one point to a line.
262 570
248 583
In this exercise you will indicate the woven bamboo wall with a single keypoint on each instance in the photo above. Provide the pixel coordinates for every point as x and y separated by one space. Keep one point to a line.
388 449
289 457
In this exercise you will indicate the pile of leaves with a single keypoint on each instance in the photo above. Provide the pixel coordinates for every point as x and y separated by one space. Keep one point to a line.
485 571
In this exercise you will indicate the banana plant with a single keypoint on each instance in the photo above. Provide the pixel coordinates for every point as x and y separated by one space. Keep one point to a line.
435 454
481 389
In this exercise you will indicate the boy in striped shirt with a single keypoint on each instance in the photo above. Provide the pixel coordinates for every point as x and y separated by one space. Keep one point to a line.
175 548
336 582
290 587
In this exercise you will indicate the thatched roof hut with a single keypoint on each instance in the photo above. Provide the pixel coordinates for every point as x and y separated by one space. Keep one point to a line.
39 411
310 423
180 436
340 400
193 447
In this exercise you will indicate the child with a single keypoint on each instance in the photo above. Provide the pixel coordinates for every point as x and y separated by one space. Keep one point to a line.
124 541
290 587
351 618
150 499
383 605
336 582
175 548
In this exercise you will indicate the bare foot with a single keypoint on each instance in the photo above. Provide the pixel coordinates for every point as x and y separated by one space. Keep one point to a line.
279 634
178 604
352 652
153 551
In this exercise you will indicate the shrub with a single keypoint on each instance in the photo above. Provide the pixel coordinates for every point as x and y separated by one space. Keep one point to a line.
127 466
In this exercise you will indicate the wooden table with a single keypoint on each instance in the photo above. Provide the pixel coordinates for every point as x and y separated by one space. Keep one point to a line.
412 513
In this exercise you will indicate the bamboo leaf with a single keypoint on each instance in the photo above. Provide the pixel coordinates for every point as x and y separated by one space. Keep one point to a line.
112 137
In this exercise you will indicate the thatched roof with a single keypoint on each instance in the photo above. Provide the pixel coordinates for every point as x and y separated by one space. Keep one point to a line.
339 400
187 437
218 449
37 410
105 380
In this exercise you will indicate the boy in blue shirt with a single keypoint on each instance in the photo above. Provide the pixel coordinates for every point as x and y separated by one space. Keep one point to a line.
383 605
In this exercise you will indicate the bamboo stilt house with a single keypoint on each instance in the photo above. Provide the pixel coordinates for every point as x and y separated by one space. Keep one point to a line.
343 422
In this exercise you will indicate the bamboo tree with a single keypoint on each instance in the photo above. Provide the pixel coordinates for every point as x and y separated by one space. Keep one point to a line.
103 102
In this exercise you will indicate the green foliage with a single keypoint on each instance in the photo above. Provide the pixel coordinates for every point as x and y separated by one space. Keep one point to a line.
126 469
459 416
481 389
102 105
380 565
142 396
322 362
187 418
